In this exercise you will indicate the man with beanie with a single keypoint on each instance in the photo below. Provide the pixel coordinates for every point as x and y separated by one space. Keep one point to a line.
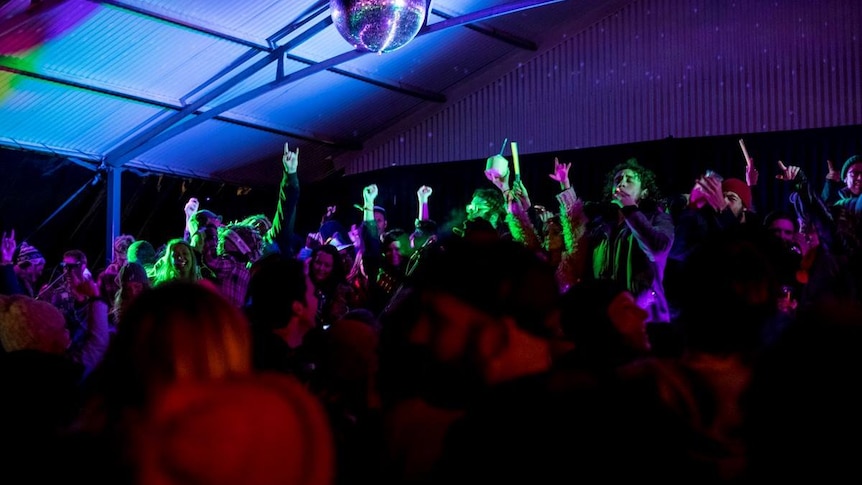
19 272
715 205
846 185
143 253
738 196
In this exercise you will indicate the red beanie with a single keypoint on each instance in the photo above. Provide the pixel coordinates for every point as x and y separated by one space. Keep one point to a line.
740 188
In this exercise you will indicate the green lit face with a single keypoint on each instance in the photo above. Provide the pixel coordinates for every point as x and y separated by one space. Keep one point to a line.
479 208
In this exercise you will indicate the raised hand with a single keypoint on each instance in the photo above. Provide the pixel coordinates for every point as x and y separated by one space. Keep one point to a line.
561 173
369 195
517 199
313 239
7 247
806 239
696 198
424 193
290 159
831 173
751 173
330 211
710 188
520 191
191 207
497 172
788 173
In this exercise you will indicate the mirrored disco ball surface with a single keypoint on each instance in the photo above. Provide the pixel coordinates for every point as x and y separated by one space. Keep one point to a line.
378 25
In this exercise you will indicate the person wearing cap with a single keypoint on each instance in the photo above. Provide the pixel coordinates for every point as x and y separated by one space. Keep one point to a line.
844 185
850 197
715 205
737 194
143 253
203 231
133 280
238 245
21 268
827 233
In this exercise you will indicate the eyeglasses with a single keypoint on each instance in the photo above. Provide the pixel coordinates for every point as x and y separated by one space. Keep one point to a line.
70 266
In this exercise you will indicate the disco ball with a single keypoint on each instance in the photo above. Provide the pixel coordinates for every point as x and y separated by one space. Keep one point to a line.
378 25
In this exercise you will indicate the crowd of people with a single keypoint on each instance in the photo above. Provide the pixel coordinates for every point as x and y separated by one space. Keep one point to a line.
691 338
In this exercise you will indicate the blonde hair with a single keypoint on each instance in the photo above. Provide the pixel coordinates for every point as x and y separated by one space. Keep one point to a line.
164 270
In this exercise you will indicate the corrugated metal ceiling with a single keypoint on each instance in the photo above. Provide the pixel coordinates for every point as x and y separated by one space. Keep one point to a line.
128 82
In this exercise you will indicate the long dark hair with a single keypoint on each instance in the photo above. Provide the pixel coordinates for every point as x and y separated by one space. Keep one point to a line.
336 276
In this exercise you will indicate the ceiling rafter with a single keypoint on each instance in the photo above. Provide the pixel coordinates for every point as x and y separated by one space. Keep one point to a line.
486 14
120 154
330 141
314 11
500 35
167 131
188 25
90 162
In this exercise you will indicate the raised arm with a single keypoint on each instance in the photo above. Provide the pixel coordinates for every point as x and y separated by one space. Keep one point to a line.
561 174
517 218
423 194
751 173
370 236
573 221
283 222
190 208
8 280
807 205
497 172
832 186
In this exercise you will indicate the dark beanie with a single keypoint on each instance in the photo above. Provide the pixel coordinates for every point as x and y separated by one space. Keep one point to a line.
847 164
27 252
141 252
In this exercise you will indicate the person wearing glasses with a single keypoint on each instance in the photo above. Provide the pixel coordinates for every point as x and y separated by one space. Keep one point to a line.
85 311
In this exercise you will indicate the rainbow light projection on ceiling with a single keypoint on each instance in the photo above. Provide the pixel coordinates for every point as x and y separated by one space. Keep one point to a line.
28 25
